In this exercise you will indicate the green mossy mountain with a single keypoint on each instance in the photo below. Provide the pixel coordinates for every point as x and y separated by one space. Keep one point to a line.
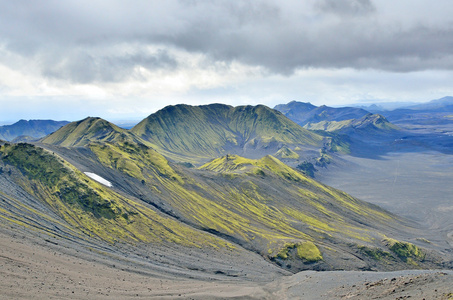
81 133
212 130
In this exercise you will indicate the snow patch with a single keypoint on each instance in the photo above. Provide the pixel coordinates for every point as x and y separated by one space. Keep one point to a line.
98 179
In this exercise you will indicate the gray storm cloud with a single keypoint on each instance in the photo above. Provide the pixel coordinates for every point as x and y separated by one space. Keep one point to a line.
72 40
346 7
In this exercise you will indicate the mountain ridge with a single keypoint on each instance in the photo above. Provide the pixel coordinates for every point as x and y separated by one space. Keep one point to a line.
81 133
303 113
32 128
217 129
368 124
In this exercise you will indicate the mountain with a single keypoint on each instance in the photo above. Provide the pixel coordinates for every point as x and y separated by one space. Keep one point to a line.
435 112
286 152
295 110
88 130
369 136
368 124
438 105
32 128
304 113
231 204
125 194
208 131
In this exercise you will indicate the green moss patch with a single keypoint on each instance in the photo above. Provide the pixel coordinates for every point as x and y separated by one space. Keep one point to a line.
374 253
307 168
405 250
306 251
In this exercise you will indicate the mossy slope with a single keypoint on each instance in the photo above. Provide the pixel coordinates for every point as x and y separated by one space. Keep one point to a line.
260 204
91 207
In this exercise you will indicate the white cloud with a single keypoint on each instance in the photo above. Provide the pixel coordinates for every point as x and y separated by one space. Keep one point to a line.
112 58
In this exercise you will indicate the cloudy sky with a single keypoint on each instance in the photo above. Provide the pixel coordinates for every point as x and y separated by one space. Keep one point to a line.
126 59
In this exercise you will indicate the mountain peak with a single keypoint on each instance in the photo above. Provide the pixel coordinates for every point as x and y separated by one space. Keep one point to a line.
81 133
375 121
294 106
213 130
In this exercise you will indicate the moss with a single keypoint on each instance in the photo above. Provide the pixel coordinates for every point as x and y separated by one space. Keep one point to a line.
412 262
258 172
306 251
136 160
307 168
323 160
374 253
313 194
283 253
238 164
405 250
81 133
310 220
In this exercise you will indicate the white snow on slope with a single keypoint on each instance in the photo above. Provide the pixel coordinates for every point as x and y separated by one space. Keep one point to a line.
98 179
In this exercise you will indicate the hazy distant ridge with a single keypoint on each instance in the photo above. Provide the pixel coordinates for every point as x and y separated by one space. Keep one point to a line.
32 128
303 113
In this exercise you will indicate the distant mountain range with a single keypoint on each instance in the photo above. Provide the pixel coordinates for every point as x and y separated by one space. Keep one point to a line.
434 112
304 113
32 128
349 125
440 105
368 124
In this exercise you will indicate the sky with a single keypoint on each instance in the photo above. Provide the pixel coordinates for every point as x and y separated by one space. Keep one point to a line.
123 60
